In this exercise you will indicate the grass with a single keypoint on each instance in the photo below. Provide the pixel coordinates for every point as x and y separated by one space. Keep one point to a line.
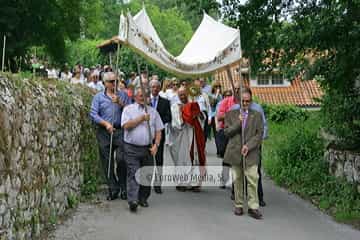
293 158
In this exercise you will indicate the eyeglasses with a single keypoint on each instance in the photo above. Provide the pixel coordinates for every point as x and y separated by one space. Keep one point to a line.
246 101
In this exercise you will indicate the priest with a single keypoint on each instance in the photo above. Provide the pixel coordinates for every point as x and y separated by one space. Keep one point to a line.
187 143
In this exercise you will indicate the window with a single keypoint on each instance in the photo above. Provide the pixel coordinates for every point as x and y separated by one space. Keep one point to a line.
277 79
263 79
270 79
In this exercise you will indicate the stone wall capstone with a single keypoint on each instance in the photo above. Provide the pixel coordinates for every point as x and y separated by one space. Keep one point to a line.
40 152
344 164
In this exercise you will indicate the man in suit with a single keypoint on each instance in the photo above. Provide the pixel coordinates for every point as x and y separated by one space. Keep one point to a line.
245 124
162 105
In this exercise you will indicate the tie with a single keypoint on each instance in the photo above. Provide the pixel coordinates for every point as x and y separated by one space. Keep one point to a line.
245 115
153 102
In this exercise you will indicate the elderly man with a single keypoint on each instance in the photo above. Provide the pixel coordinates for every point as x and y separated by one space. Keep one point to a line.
231 103
140 147
162 105
244 129
106 109
95 85
187 142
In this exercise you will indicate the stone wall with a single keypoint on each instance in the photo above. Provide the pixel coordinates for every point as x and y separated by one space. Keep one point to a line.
40 153
344 164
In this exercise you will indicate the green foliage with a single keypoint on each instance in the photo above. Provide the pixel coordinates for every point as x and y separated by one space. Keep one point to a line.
341 115
281 113
38 22
293 157
191 10
309 38
319 36
85 52
91 168
91 19
72 200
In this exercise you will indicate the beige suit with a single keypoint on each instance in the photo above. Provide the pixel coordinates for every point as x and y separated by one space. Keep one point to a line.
253 133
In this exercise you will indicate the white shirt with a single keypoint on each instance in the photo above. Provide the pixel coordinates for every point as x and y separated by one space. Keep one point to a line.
76 81
98 86
65 76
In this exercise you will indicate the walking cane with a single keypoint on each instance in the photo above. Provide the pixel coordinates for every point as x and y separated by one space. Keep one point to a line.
239 97
113 110
145 106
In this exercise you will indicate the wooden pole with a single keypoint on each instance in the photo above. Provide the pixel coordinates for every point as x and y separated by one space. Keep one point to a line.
115 90
3 55
145 106
242 135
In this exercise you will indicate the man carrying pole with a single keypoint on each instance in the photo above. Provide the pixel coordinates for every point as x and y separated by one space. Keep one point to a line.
106 110
244 129
142 134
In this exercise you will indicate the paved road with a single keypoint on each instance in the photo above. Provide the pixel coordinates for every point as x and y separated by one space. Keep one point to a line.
206 215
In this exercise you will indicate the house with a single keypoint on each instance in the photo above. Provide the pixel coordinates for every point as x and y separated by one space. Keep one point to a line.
274 88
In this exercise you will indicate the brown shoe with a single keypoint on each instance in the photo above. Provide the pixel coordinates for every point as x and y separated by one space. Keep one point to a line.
238 211
255 213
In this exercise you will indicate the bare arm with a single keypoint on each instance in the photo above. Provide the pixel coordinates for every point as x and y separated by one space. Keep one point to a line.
135 122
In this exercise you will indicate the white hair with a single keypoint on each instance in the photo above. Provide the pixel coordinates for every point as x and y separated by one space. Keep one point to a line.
136 90
109 76
154 82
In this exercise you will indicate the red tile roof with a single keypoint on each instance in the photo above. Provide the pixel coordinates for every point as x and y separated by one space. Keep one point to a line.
299 93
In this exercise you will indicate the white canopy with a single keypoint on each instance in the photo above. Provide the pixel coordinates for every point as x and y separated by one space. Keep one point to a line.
213 46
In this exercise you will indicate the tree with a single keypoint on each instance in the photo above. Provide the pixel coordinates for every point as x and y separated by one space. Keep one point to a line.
38 22
190 9
319 38
47 23
193 10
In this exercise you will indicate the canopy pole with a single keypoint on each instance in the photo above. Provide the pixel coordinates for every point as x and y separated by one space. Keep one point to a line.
115 90
3 55
242 135
146 106
110 60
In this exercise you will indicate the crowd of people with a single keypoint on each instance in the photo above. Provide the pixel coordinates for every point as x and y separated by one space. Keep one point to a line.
137 118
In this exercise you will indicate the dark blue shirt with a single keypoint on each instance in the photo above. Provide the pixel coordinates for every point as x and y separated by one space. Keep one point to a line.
102 108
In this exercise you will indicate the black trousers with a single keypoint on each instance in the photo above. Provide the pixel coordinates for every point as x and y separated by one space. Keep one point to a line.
206 126
160 160
221 142
117 179
138 157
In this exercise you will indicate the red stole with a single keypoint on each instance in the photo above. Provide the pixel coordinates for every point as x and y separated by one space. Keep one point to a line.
189 113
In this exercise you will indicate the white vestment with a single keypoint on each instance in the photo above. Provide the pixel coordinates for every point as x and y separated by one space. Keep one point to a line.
179 141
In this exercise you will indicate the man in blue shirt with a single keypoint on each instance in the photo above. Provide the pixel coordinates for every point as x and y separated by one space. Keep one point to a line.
106 110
